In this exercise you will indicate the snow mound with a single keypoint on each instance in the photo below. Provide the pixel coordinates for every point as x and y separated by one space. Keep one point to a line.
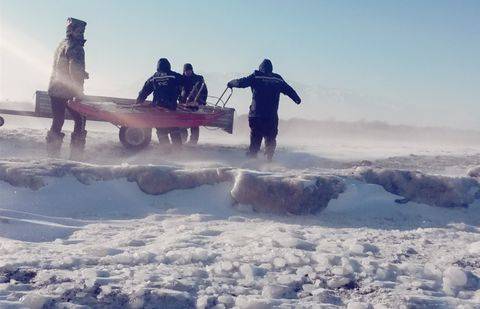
280 194
417 187
151 179
265 192
474 172
274 192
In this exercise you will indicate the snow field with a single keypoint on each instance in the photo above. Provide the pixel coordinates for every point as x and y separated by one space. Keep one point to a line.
193 249
186 230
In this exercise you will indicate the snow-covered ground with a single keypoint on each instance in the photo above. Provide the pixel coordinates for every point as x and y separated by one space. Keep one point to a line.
383 225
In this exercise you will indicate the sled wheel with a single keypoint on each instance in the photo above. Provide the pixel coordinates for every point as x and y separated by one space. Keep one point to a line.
135 138
2 121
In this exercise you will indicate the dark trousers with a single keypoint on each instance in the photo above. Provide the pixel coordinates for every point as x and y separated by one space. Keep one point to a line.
263 128
175 135
58 110
194 134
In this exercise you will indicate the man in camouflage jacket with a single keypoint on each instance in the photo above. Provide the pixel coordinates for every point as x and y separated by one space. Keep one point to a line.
66 82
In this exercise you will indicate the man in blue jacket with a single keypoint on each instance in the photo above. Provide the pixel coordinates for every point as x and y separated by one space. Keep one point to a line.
263 116
165 85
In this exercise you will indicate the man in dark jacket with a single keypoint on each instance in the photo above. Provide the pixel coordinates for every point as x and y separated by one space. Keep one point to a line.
165 85
263 116
66 82
194 90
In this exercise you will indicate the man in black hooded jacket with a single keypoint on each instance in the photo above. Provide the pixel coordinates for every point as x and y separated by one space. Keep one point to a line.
263 116
165 85
194 89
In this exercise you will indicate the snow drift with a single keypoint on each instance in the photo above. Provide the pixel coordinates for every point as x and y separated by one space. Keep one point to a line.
428 189
292 194
474 172
265 192
132 236
273 192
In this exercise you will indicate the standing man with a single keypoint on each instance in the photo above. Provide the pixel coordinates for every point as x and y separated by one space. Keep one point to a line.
66 82
263 116
194 90
165 85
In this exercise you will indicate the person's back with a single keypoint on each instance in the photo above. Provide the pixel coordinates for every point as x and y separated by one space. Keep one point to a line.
266 89
165 85
263 116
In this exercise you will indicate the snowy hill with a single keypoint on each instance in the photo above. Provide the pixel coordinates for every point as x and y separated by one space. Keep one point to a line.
327 225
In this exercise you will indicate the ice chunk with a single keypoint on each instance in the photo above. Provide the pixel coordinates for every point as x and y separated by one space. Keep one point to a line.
454 279
421 188
455 276
305 271
285 194
432 272
251 302
337 281
357 249
279 262
158 180
100 251
293 242
384 274
248 271
474 172
325 296
276 291
35 301
226 299
204 302
474 248
358 305
163 298
227 266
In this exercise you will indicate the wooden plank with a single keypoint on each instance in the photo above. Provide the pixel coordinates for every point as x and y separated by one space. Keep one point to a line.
18 112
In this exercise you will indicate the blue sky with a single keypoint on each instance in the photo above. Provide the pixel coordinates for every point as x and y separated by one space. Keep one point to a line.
423 54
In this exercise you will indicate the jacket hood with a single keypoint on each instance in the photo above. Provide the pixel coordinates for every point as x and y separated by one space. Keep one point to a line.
163 65
72 25
187 67
266 66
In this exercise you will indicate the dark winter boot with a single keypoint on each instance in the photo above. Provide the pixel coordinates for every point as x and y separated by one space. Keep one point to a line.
251 155
182 132
77 145
54 143
270 145
176 137
194 135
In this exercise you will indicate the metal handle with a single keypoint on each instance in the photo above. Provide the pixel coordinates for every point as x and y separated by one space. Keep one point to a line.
228 98
199 92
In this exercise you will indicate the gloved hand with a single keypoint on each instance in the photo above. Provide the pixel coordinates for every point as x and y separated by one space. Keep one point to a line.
298 101
230 84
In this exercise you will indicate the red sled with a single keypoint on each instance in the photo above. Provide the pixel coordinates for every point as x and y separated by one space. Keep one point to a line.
136 122
147 116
